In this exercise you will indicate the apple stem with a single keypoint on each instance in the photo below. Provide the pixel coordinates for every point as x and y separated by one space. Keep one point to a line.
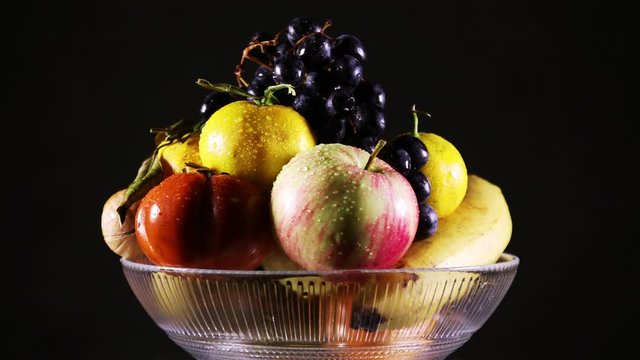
381 143
415 113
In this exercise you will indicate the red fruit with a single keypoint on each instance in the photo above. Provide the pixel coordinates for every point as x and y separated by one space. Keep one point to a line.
199 221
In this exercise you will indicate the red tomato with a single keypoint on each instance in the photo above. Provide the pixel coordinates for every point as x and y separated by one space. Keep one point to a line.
199 221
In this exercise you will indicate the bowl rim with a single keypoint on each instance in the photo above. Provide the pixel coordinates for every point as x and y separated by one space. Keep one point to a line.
506 262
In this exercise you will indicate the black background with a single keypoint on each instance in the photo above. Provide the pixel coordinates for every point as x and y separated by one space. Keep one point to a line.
529 92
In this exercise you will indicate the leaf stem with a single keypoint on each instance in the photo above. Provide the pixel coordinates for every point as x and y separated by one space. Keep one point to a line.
415 113
268 97
221 87
149 175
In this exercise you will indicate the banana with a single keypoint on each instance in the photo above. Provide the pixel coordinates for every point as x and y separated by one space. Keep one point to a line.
476 233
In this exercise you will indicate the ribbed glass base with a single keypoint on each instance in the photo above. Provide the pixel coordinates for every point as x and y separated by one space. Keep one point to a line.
209 350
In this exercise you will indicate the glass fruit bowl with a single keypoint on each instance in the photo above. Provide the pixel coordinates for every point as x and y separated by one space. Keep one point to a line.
338 314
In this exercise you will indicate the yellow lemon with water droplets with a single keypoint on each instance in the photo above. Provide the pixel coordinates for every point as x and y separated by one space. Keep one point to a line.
253 141
174 156
446 172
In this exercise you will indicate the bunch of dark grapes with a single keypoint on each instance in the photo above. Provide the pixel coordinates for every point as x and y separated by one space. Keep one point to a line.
340 104
407 154
332 93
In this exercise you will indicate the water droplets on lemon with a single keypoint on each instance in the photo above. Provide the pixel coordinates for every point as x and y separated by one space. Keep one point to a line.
259 140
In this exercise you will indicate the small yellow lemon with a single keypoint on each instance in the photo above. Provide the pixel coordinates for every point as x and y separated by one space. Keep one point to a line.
446 172
174 156
253 141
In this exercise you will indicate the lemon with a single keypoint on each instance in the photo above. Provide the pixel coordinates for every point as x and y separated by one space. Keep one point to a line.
446 172
253 141
174 156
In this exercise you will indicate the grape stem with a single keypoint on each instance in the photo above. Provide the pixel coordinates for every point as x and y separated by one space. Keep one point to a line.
381 143
326 25
415 113
239 70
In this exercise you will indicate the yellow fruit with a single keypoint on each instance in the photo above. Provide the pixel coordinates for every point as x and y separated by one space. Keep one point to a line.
253 141
174 156
447 174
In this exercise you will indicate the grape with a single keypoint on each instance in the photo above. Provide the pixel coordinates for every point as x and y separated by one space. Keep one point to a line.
407 154
371 93
319 82
314 51
307 103
349 45
214 101
340 102
288 69
263 73
300 27
347 70
362 115
282 49
377 126
365 319
334 130
317 119
420 184
262 79
371 122
427 222
415 147
398 158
